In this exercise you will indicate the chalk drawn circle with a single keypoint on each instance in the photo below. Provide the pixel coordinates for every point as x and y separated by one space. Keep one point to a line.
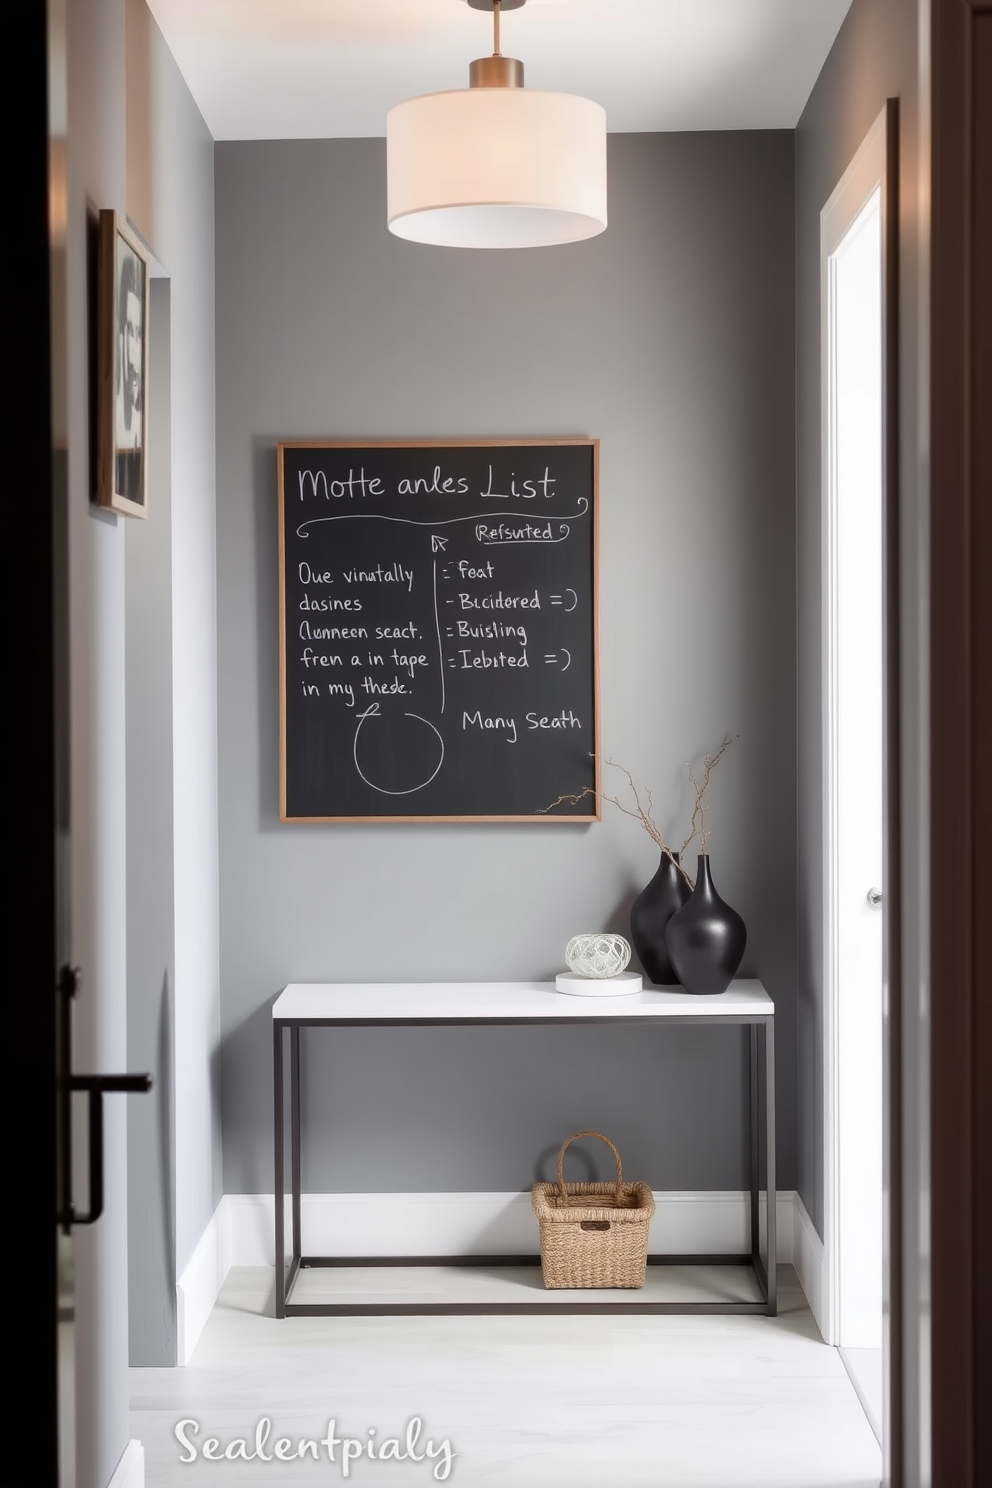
410 789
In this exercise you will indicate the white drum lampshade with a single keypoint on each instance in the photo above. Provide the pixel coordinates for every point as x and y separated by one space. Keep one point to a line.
496 168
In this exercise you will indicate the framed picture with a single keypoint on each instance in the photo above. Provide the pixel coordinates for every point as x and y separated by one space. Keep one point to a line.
122 361
438 631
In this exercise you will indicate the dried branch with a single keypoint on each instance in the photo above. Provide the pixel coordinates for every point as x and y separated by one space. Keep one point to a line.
643 813
643 810
698 823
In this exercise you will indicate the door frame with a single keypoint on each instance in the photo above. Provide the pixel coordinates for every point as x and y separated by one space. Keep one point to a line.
958 1303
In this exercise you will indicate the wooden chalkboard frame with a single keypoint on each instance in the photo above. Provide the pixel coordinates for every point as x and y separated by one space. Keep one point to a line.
561 814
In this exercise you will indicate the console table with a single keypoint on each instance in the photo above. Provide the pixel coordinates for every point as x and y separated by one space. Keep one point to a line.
483 1004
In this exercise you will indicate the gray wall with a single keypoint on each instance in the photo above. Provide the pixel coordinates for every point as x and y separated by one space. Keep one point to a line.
880 52
672 339
151 903
172 923
170 183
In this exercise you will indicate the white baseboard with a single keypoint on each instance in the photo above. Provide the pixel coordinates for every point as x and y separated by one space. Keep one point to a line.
241 1233
199 1286
130 1471
423 1224
808 1260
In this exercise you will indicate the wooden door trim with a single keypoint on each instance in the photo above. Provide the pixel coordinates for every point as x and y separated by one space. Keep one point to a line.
960 733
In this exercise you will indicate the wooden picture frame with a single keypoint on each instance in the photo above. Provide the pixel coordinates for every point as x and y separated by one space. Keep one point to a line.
377 540
122 369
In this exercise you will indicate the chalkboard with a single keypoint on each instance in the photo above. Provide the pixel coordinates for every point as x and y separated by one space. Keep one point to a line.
437 608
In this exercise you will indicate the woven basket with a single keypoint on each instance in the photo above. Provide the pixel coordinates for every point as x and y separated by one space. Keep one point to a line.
593 1234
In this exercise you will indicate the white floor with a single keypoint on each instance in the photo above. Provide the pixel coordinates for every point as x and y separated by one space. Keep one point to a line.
671 1402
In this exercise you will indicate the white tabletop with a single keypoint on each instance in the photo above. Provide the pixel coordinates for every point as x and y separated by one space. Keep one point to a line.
518 1001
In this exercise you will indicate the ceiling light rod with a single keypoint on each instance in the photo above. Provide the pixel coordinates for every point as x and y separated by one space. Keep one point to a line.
496 71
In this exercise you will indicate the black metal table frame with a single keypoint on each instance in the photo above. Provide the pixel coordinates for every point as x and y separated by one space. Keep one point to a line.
286 1275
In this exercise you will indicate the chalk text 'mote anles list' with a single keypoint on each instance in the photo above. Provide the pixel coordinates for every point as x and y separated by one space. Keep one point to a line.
357 485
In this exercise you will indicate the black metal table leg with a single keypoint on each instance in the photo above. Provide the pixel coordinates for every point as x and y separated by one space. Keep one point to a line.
279 1186
755 1123
769 1026
294 1107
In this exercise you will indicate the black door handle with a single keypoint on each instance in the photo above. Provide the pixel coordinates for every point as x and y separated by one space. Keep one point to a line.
96 1086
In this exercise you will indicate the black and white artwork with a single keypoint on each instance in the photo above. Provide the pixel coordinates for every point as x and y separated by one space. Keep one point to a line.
129 372
123 313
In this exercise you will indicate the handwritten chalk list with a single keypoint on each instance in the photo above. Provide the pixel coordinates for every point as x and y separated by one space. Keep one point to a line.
438 630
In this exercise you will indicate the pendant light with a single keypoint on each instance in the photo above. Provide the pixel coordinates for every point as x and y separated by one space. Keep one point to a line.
494 165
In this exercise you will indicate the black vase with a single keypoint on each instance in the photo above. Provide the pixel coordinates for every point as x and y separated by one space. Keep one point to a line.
706 938
650 914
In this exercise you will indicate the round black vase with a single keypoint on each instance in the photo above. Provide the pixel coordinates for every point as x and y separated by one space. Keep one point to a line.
649 917
706 938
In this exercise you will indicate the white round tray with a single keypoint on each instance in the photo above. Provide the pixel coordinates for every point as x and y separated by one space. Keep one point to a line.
619 986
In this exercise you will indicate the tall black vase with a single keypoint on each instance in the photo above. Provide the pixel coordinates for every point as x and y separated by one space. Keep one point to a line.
706 938
650 914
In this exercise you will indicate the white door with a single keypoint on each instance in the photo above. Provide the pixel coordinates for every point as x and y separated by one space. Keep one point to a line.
852 262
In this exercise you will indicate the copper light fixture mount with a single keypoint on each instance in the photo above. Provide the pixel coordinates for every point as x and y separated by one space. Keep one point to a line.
496 71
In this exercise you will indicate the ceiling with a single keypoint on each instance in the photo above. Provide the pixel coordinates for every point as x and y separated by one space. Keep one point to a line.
316 69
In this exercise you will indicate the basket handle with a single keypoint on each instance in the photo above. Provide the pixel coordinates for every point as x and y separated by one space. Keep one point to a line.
574 1138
